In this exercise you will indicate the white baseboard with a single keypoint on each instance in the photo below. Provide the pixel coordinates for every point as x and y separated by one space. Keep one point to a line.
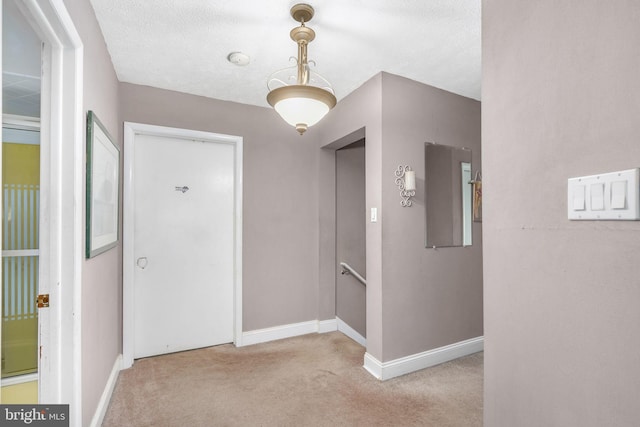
287 331
103 404
325 326
350 332
405 365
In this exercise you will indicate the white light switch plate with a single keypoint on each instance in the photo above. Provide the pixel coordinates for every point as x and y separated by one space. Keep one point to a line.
374 214
606 196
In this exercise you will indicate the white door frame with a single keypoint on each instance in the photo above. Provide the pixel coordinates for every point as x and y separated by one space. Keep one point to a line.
62 150
128 259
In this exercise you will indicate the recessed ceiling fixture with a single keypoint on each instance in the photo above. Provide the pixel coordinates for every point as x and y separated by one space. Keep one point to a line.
301 97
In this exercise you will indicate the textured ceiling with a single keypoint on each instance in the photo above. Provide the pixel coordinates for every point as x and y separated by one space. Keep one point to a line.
182 45
20 64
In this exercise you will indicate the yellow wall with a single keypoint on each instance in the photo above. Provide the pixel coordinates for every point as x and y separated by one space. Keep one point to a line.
20 167
25 393
20 164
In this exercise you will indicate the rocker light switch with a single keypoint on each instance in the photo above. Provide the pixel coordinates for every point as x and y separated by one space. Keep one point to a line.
374 214
618 194
578 198
597 197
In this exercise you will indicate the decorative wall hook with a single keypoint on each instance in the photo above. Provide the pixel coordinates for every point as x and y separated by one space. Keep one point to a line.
406 182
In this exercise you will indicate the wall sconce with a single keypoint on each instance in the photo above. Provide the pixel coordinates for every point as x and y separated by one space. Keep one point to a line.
406 182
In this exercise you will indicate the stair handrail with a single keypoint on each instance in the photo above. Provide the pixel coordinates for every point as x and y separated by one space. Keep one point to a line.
347 269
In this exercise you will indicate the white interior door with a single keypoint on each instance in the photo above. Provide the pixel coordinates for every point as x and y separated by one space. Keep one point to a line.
183 244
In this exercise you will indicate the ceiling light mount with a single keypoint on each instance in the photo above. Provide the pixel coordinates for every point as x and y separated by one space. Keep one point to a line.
302 12
302 97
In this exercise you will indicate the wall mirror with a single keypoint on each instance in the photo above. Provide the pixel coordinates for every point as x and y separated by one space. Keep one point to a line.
448 196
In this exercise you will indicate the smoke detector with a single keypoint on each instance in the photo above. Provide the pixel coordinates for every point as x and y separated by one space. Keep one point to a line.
238 58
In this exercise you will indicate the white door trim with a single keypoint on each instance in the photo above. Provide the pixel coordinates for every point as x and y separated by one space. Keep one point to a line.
62 127
128 260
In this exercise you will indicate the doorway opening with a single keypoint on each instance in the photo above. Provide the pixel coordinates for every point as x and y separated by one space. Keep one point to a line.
348 293
351 291
59 68
21 88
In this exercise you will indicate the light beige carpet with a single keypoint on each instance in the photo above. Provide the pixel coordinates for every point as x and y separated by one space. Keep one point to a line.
312 380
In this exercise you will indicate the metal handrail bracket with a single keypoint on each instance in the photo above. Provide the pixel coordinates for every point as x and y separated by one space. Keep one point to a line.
347 269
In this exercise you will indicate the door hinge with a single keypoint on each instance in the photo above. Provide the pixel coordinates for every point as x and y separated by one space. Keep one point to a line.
43 300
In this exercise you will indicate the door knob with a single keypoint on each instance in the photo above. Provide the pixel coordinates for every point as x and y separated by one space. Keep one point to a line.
142 262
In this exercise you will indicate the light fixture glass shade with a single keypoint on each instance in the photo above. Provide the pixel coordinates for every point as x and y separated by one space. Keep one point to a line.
410 180
301 106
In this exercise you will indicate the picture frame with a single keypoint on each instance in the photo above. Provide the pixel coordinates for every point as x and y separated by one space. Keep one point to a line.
477 197
103 189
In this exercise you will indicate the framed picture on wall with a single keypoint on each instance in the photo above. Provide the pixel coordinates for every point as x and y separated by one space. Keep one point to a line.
103 187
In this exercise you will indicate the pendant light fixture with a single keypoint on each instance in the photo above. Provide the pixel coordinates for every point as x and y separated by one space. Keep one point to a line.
301 96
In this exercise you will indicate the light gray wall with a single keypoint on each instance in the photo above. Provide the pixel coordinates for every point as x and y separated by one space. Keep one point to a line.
351 216
280 218
417 299
431 297
102 275
560 100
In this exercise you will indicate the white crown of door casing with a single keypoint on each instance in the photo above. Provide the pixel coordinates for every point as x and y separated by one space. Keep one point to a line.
130 132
